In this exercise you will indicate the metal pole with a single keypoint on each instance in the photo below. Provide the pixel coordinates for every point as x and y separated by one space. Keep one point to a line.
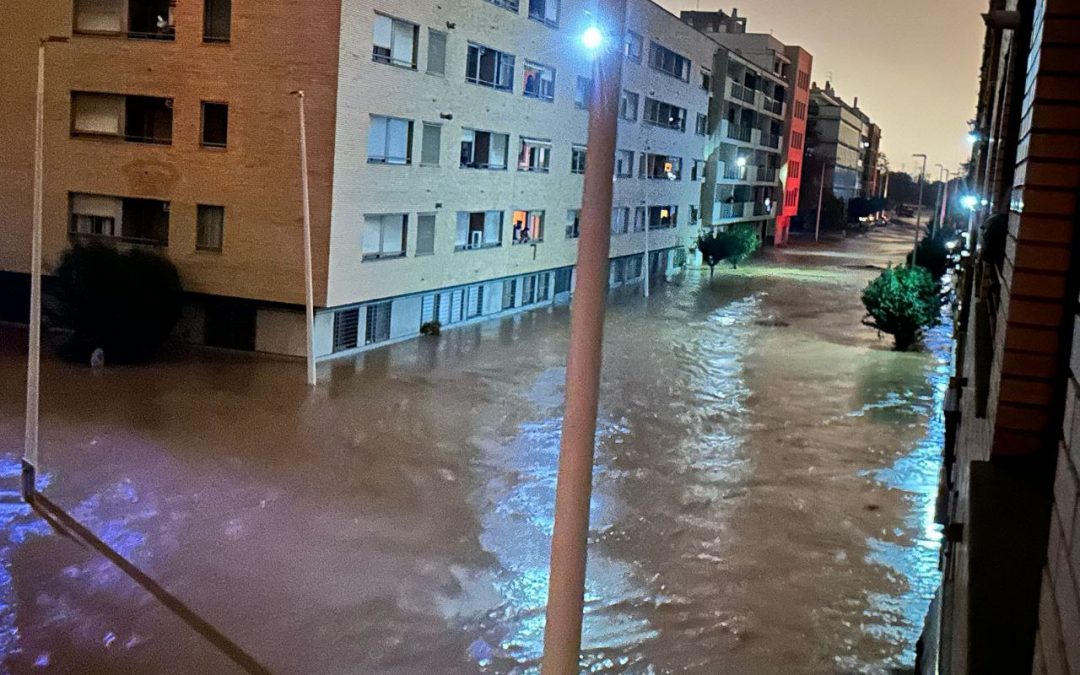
820 197
569 544
945 201
309 292
918 210
33 356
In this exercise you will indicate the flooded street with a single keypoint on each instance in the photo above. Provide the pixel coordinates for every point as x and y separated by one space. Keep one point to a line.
764 493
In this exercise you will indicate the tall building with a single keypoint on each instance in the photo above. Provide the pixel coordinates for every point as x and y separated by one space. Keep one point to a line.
837 130
785 73
1010 595
447 146
873 184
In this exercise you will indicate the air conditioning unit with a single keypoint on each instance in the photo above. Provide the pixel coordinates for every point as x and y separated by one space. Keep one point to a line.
476 239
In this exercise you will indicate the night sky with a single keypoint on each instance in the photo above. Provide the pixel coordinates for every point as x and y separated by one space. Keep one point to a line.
914 64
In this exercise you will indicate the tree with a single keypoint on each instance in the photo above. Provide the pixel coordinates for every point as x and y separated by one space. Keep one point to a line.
934 253
902 302
714 248
125 303
743 241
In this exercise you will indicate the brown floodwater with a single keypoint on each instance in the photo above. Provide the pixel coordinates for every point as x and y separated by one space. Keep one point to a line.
763 503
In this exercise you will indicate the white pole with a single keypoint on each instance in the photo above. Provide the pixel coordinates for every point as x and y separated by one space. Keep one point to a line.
570 535
309 291
648 265
33 357
820 198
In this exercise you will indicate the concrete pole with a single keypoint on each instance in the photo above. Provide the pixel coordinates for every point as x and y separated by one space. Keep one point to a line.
918 210
820 199
569 544
309 291
33 356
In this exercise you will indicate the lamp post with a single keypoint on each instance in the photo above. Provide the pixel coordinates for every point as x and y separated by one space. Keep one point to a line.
309 293
918 208
820 199
945 199
569 542
33 355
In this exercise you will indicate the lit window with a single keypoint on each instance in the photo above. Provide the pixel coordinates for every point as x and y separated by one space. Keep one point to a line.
539 81
528 227
535 155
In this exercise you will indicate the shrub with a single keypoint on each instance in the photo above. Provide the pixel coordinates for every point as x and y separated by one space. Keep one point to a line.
902 302
714 248
934 254
432 328
124 302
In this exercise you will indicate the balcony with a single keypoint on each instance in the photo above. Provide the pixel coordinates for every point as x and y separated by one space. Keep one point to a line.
770 140
136 19
767 175
740 92
727 211
737 132
119 219
135 119
774 106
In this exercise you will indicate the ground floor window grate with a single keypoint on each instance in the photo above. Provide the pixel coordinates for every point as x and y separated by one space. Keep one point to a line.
378 323
346 329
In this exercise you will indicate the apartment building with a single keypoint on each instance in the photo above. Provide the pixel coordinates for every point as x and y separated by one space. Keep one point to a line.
447 146
761 114
873 182
1010 595
838 130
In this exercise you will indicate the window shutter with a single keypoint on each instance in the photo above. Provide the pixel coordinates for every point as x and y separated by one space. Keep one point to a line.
497 151
98 113
431 144
551 11
436 54
384 32
377 139
425 235
404 46
492 227
393 234
462 239
372 237
397 142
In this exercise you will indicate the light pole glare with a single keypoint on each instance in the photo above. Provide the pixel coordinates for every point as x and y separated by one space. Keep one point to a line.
592 38
969 202
741 161
973 137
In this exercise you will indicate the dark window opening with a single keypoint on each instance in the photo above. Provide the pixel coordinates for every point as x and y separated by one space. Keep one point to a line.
217 21
215 125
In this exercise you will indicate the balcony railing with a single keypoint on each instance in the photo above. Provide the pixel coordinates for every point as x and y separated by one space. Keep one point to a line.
770 140
727 210
760 210
767 175
742 93
739 133
733 172
774 106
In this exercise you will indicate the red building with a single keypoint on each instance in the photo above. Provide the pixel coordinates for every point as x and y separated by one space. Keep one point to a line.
798 76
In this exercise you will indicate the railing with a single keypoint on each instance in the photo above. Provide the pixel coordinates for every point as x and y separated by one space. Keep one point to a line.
742 92
119 239
731 210
767 175
734 172
760 210
739 133
167 33
774 106
770 140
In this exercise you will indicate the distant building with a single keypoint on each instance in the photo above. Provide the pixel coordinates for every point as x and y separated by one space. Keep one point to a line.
838 130
873 182
785 102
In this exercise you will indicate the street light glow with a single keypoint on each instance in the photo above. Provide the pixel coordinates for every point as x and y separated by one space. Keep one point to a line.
973 137
969 202
741 162
592 38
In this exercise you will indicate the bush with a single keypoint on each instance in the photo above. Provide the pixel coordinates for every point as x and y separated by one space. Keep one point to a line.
734 245
934 254
902 302
432 328
125 303
714 248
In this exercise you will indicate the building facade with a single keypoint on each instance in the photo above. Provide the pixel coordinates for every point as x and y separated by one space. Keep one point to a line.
1010 595
838 130
447 147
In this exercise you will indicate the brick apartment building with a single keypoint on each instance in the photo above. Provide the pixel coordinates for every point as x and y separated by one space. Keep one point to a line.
1010 599
446 144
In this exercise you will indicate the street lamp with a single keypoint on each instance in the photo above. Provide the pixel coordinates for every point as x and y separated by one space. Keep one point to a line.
570 534
820 198
918 207
741 162
973 137
33 357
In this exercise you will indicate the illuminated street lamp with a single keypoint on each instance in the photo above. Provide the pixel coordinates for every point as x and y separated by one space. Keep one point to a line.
973 137
969 202
741 162
592 38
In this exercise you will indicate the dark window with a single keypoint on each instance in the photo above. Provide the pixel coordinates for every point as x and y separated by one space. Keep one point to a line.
148 119
151 20
346 329
378 323
217 21
215 125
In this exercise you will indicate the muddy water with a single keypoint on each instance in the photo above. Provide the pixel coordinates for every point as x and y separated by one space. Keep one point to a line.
763 502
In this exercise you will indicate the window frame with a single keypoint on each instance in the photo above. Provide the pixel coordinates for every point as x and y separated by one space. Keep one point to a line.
527 226
623 100
526 154
578 152
657 56
199 246
628 41
484 166
541 69
551 23
632 156
385 158
583 86
382 254
216 39
202 125
390 59
500 67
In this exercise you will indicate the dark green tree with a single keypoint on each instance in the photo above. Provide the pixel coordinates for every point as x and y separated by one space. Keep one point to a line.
902 302
123 302
934 254
714 248
743 241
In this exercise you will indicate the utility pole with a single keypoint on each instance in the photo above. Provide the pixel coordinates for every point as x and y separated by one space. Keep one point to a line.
309 291
33 356
918 209
569 543
820 199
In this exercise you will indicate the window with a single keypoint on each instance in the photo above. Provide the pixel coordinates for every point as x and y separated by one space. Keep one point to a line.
528 227
800 110
803 80
528 290
490 68
483 149
546 11
628 106
796 140
663 217
389 140
639 219
99 16
430 144
697 171
620 220
436 52
632 47
563 278
583 92
209 227
511 5
624 163
377 328
217 20
701 128
693 214
215 125
136 119
96 114
573 223
144 221
577 159
346 329
794 169
384 236
137 19
665 114
539 81
394 42
660 167
478 229
425 234
475 301
535 155
666 61
706 79
509 299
